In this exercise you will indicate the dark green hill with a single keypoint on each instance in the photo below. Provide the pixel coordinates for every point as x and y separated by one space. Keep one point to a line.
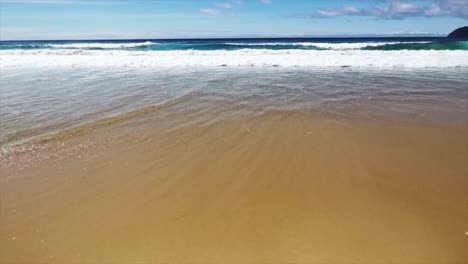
459 33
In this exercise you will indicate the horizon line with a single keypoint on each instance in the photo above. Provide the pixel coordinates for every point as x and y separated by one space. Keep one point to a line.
337 36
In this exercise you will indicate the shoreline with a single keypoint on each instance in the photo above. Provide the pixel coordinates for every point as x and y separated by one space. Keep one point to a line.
363 116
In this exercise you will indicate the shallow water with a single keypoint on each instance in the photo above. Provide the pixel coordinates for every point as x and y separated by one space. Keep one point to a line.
40 100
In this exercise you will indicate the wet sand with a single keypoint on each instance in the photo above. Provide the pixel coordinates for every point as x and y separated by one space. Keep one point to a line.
201 185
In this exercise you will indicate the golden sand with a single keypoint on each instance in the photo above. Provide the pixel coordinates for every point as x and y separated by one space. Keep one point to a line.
276 187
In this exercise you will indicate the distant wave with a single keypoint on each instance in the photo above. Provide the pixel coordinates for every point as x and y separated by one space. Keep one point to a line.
351 46
242 57
234 46
315 45
452 45
102 45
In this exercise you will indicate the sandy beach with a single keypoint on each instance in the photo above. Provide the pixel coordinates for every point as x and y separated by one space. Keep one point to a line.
233 132
212 183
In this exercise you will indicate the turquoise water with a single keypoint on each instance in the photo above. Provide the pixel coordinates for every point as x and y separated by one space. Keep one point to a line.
238 44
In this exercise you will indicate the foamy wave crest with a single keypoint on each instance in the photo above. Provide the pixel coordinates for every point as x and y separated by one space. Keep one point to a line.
271 44
243 57
102 45
350 46
330 46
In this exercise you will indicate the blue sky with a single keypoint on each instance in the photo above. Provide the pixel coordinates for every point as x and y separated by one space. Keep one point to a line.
106 19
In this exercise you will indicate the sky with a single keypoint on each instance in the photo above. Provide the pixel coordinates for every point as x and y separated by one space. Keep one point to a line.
149 19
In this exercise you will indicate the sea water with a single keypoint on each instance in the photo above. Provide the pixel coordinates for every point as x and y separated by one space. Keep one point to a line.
51 85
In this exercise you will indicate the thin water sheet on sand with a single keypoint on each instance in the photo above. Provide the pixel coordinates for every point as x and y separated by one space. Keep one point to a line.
195 183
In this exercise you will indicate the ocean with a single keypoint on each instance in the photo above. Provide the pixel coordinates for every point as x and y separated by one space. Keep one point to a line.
319 52
347 150
46 86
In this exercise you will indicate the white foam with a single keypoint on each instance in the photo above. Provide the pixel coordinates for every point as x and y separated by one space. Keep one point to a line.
351 46
243 57
267 44
102 45
332 46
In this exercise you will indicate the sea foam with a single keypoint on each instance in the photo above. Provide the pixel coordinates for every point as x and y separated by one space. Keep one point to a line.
243 57
319 45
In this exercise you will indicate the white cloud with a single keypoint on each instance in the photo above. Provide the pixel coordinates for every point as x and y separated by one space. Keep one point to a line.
225 5
399 9
210 11
215 10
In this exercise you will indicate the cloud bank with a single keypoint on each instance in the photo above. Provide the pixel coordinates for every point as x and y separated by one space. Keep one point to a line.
397 9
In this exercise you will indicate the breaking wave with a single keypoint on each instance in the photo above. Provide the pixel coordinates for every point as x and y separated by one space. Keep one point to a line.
102 45
242 57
